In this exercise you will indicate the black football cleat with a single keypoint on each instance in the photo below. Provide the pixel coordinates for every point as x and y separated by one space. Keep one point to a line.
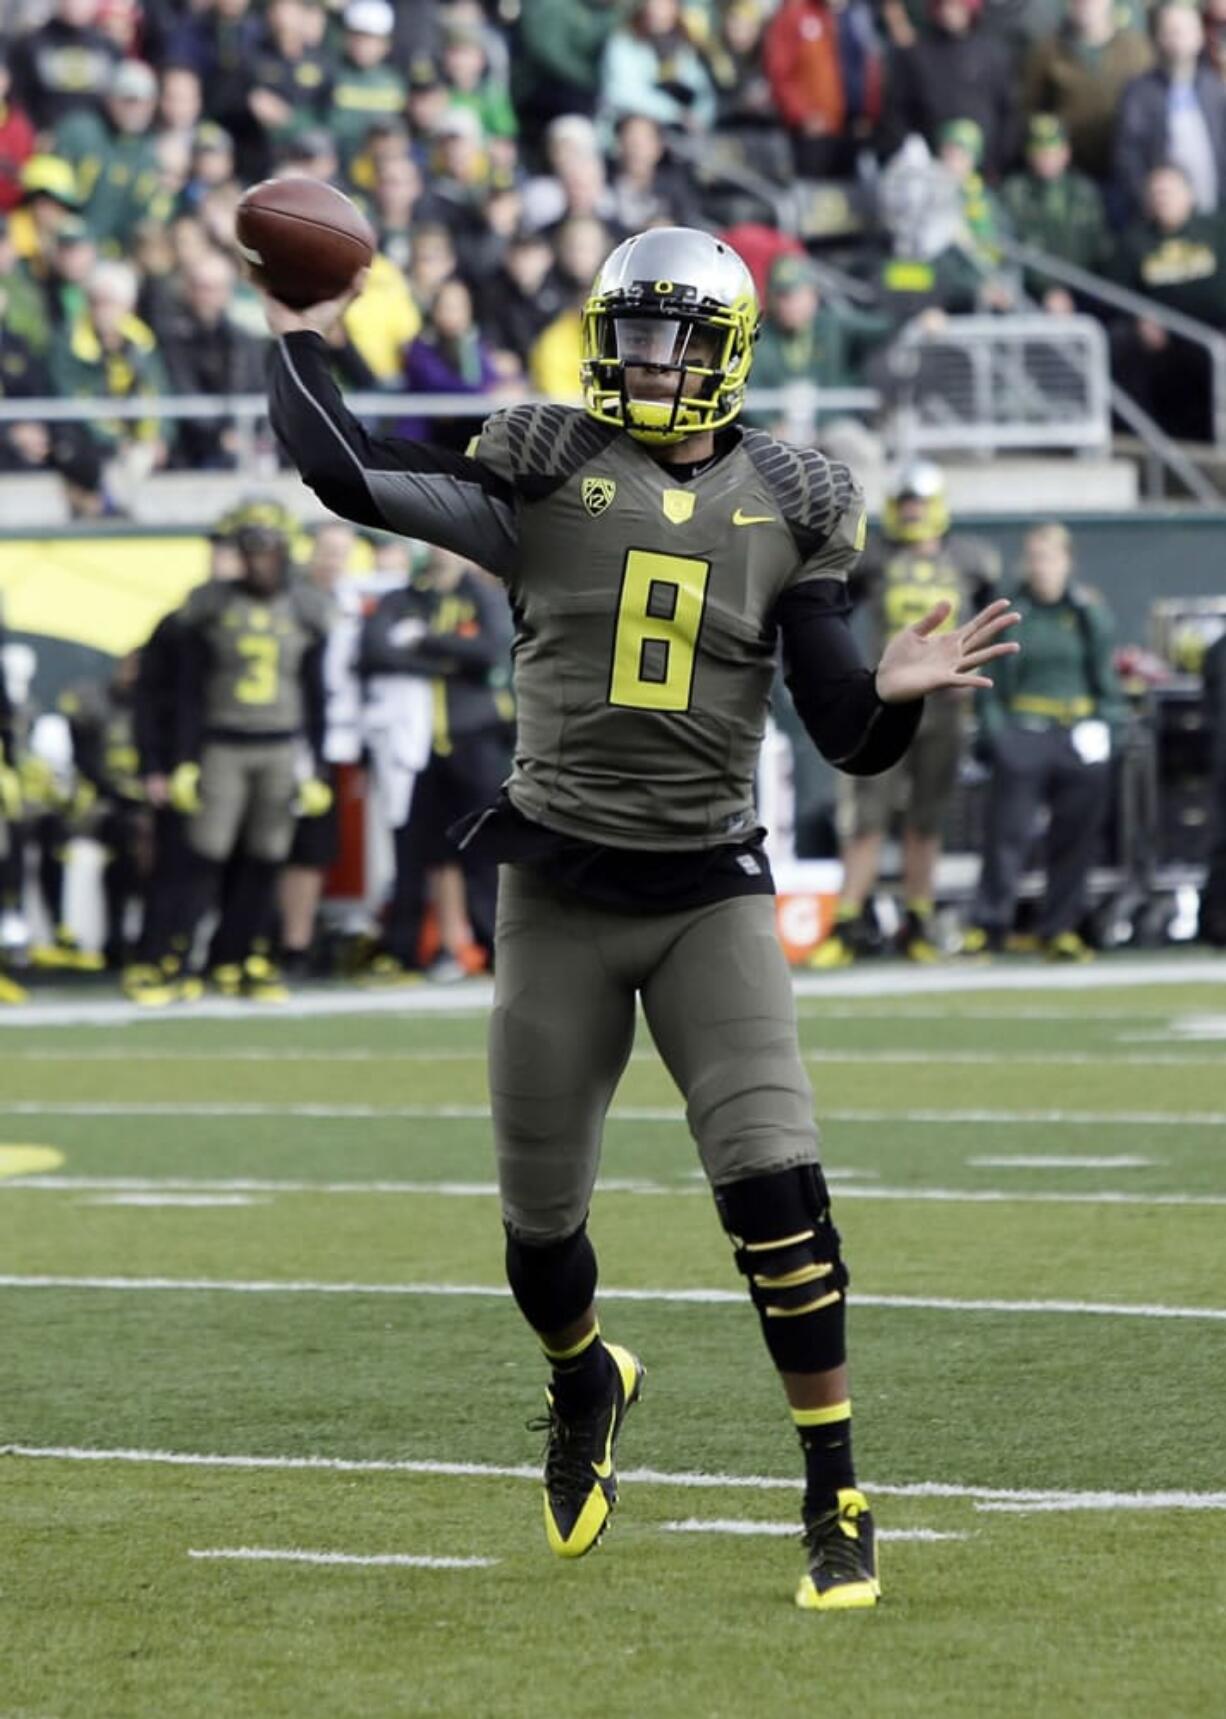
580 1479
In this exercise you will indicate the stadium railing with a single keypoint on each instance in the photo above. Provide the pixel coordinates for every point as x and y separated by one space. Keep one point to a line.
1106 292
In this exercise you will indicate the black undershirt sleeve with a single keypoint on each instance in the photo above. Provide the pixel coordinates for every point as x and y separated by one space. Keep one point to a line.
834 692
413 488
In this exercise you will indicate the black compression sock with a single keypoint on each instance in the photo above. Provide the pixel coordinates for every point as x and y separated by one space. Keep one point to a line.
825 1438
582 1375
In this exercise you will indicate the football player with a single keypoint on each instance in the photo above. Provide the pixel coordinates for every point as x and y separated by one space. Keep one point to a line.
249 695
655 555
917 563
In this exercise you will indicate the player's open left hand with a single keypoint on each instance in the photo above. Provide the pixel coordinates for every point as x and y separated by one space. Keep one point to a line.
920 659
319 318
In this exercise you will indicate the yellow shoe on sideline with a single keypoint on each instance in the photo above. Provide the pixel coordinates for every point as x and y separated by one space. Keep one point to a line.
1068 947
842 1549
11 992
580 1479
833 952
262 982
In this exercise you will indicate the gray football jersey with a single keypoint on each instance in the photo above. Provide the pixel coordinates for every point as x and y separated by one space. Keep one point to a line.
255 649
645 644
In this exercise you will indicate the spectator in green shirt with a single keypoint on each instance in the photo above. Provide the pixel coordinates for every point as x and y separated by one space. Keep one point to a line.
467 74
806 340
366 87
113 155
1056 209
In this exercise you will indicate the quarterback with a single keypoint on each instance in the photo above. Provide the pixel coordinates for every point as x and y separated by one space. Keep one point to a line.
657 557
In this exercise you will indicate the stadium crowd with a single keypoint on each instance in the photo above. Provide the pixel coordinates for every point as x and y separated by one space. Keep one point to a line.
501 150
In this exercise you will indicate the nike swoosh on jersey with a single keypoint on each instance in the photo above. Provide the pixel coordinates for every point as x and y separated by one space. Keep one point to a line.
740 518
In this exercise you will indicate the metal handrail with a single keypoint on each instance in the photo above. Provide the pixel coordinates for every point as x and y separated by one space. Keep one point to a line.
1135 304
249 408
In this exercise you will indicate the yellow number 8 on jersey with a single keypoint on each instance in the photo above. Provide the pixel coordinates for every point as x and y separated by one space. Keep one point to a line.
658 617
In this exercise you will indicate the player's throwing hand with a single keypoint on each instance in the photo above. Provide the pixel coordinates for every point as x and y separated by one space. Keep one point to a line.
920 659
316 318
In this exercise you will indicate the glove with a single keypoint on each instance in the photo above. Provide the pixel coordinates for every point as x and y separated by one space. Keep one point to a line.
1091 741
38 784
10 791
184 793
82 802
314 798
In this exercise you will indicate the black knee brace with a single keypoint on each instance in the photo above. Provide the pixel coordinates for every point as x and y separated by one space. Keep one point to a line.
553 1282
788 1250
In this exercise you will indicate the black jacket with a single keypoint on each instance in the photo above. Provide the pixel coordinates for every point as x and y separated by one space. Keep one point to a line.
942 77
1141 131
467 645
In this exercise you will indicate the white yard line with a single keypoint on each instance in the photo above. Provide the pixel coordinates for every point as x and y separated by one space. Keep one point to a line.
822 1057
682 1297
142 1198
627 1113
1051 1162
789 1530
378 1560
1065 1501
694 1186
685 1480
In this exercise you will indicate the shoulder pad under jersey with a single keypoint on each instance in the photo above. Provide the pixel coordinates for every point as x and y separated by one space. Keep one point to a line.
206 601
813 492
536 448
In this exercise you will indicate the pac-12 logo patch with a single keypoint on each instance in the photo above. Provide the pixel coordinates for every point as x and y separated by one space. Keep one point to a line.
598 495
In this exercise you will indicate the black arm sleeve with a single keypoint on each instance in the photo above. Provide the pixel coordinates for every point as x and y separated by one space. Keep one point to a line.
6 713
154 700
412 488
835 694
314 698
189 701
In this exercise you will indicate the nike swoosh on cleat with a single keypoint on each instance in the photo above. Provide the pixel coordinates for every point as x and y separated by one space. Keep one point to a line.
740 518
603 1469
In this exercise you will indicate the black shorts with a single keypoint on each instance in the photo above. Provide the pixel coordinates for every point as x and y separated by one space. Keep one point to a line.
317 841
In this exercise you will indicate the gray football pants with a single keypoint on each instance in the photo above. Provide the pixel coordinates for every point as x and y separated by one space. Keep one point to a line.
718 1000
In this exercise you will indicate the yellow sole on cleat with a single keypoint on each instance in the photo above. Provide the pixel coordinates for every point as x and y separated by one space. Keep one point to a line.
849 1597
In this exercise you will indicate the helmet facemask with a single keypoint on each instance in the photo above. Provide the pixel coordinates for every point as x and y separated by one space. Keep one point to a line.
662 364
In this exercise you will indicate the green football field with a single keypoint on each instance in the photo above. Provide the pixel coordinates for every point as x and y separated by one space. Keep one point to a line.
263 1397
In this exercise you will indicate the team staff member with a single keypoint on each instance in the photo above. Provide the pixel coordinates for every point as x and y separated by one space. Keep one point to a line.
653 554
919 562
1047 723
250 694
10 818
461 645
1212 926
107 761
317 840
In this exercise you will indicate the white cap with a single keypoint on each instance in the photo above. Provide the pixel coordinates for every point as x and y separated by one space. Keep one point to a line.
460 122
135 79
369 18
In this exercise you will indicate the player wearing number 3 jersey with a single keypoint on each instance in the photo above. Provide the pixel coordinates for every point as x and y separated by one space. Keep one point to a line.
655 556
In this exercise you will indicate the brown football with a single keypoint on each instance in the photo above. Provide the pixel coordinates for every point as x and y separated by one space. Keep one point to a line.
302 239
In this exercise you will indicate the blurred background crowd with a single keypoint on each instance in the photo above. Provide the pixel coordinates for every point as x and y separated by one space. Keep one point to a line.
501 149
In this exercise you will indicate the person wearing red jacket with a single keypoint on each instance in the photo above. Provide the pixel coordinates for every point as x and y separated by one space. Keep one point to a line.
16 141
823 62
